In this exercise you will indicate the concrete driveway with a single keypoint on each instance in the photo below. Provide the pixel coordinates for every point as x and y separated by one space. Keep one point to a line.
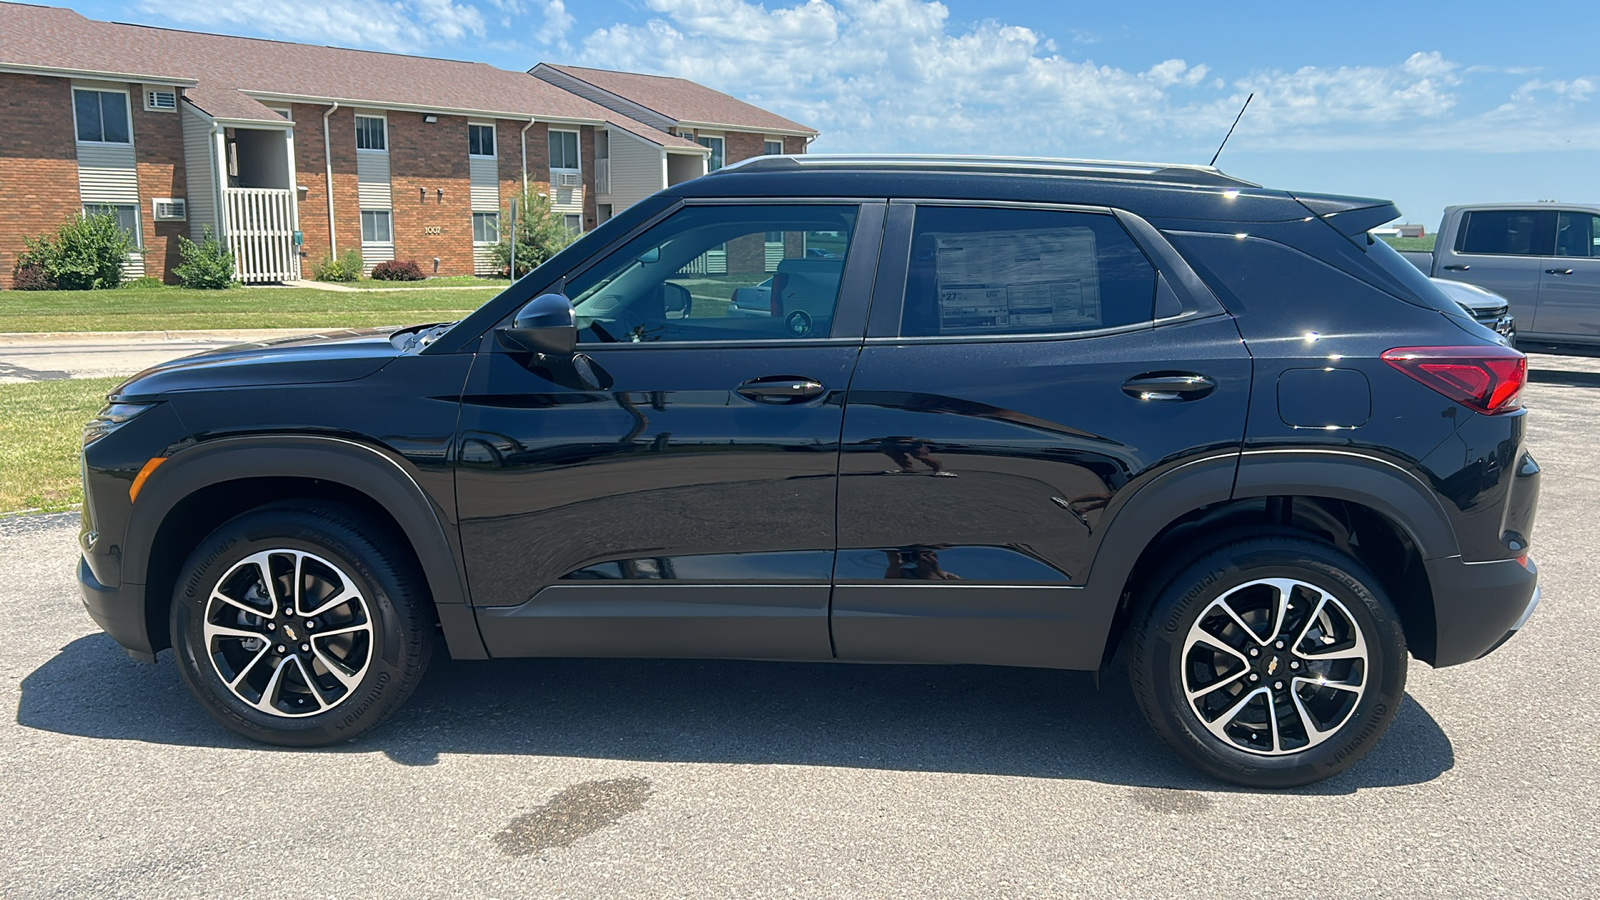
652 779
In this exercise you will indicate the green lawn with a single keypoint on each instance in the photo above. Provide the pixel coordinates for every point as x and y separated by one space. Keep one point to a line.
1421 243
175 309
41 427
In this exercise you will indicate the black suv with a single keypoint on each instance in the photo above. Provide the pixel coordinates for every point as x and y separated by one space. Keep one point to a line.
1022 413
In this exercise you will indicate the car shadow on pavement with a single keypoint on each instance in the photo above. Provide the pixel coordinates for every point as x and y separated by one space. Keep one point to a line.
959 719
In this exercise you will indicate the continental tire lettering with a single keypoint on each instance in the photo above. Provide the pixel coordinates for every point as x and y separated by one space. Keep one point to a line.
194 579
1373 724
1200 587
377 692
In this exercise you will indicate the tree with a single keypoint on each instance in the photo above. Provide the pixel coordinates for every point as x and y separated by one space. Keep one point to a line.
540 235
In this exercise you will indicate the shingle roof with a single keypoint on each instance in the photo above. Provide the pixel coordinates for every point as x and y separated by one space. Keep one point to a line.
683 100
223 68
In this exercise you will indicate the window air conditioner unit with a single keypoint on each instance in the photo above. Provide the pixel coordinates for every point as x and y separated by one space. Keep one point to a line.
161 100
570 179
170 209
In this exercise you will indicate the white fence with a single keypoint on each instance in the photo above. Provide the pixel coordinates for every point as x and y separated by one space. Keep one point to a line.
259 223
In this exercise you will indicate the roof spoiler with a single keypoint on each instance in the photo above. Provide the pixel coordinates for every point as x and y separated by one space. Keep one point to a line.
1350 216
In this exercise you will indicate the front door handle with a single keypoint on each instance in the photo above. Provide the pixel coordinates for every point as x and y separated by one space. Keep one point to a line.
1558 271
1456 268
1168 386
781 389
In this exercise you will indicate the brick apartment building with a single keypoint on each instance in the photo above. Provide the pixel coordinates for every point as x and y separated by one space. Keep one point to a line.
175 131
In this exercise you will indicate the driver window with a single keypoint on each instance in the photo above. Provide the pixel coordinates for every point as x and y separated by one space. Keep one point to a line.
720 273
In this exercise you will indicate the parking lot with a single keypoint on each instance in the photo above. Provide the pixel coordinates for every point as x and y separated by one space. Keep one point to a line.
592 778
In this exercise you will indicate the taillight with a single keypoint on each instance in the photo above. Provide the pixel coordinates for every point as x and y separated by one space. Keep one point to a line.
1488 379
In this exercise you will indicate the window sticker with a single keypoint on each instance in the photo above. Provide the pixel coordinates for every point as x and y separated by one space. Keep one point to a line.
995 281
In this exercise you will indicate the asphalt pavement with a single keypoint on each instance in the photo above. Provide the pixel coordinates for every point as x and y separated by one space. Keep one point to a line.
655 779
102 354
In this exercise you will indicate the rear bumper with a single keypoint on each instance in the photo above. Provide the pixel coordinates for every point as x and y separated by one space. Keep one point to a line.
1479 606
119 611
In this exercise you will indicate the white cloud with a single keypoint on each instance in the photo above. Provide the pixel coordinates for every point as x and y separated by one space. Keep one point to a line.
897 75
402 25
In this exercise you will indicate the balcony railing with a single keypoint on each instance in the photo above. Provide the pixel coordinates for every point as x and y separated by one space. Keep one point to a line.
259 224
602 176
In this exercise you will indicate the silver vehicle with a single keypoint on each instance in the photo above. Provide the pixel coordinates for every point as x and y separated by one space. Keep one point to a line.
1544 258
1490 309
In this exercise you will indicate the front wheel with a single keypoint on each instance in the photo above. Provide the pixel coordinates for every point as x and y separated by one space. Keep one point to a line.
1269 662
301 626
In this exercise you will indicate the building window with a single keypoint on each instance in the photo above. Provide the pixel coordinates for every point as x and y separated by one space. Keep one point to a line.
715 143
480 140
772 148
127 217
371 133
102 116
564 150
485 228
376 227
574 223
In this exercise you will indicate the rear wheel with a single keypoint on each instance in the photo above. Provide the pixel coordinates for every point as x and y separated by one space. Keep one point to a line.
301 626
1270 661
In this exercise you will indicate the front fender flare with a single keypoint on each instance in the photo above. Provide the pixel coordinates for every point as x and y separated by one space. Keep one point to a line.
388 481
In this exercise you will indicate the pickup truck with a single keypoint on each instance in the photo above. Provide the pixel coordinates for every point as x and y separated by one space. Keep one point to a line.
1542 257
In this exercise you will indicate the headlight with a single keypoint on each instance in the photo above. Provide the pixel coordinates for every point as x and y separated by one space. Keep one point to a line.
111 418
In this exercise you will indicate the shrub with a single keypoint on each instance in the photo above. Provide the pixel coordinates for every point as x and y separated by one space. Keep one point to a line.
540 235
87 252
347 267
30 276
397 270
143 282
207 265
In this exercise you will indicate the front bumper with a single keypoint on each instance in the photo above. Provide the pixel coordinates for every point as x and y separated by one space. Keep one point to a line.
1479 606
119 611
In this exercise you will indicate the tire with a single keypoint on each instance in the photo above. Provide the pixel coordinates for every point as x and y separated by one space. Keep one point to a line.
350 650
1326 622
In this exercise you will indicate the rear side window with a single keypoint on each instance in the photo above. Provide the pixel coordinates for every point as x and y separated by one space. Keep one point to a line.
988 271
1507 232
1577 234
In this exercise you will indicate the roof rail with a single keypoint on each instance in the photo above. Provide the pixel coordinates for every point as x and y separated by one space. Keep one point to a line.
1008 165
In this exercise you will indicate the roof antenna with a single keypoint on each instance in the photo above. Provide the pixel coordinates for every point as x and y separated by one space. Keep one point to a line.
1231 128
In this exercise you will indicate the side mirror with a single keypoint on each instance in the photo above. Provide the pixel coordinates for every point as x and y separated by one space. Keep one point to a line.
546 325
676 300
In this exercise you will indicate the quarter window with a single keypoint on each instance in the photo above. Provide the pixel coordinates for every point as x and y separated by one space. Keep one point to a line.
480 140
376 226
564 150
1577 234
1507 232
716 273
102 116
486 228
977 271
371 133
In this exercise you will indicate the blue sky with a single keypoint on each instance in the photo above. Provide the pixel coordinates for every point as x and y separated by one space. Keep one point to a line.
1426 104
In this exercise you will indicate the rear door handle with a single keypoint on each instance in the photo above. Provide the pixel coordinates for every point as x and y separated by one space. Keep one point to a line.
781 389
1168 386
1456 268
1558 271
